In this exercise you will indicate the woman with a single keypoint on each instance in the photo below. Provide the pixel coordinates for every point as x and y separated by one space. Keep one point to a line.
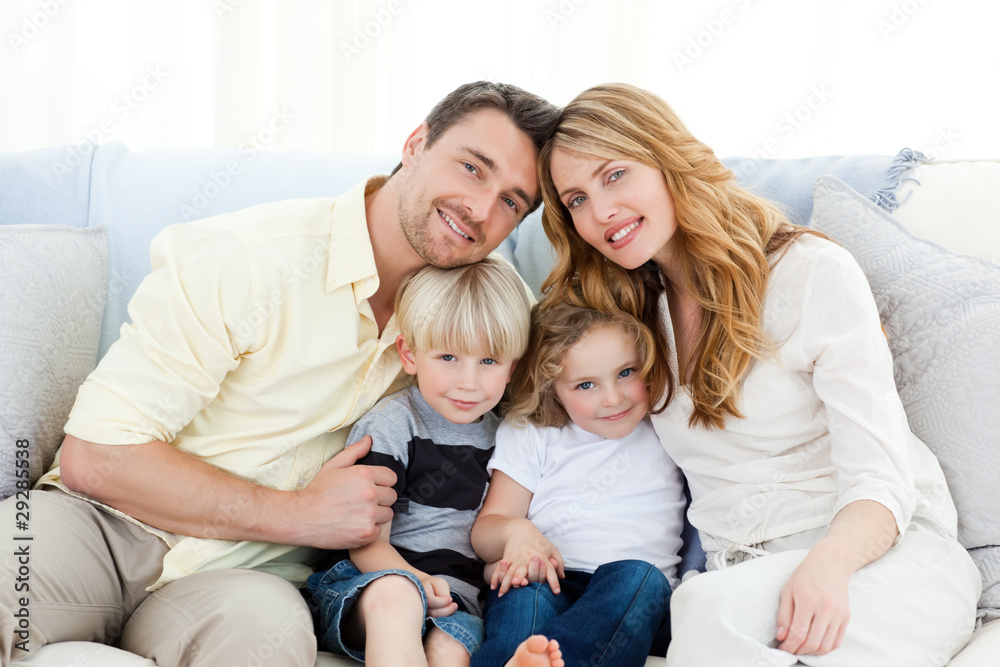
828 525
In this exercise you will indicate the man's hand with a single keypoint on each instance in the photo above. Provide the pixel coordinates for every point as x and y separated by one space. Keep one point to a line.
439 601
349 503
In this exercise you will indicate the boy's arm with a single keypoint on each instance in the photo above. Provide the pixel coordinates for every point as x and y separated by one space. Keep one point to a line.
381 555
503 533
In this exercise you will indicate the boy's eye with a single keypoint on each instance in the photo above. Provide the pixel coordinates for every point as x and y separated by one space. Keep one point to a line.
489 362
447 357
585 385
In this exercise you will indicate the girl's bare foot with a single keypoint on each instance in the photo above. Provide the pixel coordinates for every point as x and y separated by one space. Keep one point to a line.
537 651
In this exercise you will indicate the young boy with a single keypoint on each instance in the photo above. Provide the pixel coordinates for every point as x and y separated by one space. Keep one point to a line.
411 597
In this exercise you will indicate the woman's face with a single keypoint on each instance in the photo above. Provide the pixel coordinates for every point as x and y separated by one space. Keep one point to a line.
622 208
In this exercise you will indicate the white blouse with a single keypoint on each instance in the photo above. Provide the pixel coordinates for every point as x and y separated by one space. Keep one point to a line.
823 424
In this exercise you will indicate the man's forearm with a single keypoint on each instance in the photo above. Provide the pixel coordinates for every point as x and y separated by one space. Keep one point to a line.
169 489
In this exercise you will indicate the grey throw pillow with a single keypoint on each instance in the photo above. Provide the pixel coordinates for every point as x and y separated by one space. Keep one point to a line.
941 312
54 280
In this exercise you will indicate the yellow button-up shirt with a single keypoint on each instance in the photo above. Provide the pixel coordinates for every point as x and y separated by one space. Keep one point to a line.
252 346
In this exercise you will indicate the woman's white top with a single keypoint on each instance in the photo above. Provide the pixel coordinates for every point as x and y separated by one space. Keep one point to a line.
598 500
823 424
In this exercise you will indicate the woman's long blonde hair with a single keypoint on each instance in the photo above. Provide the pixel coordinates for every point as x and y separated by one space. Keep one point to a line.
727 238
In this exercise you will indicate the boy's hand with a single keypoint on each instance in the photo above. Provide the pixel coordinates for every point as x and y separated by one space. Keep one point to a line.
439 602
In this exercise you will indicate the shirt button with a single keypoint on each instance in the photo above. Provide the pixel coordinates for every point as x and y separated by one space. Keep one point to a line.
888 396
302 482
368 281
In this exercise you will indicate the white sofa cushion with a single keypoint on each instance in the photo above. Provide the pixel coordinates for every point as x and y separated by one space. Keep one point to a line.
54 279
951 202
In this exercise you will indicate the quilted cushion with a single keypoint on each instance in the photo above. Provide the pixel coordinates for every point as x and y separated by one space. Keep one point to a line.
942 315
54 279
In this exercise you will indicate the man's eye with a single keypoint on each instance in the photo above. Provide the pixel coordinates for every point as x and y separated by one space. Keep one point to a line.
510 203
471 168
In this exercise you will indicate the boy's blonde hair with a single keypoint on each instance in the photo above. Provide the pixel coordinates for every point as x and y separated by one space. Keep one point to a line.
462 308
557 326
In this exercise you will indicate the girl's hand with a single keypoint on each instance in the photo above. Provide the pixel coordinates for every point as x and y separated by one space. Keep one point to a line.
814 609
528 558
439 602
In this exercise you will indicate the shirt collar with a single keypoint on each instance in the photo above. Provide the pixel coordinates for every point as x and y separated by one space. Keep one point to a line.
351 255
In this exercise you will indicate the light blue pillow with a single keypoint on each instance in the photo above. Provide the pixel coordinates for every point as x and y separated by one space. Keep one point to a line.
941 312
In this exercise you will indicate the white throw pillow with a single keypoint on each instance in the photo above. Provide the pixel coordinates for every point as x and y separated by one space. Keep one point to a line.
941 312
53 281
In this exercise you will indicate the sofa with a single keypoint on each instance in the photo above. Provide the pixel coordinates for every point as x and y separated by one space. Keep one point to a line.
76 223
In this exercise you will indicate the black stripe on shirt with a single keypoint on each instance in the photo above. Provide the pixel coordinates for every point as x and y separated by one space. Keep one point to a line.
449 476
446 561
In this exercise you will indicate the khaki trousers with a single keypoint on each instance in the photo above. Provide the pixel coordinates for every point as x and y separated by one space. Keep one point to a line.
83 576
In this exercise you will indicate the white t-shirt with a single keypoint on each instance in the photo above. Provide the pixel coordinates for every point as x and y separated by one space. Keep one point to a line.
598 500
823 423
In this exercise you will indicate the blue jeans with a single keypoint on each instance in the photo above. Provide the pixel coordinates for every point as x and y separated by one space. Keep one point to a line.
610 617
331 596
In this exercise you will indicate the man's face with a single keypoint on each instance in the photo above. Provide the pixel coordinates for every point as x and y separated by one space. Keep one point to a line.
466 192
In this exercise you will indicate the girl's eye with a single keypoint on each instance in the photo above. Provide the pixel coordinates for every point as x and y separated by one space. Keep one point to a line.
585 385
575 201
616 174
625 373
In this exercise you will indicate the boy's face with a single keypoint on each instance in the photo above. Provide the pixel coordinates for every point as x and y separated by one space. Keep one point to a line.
461 387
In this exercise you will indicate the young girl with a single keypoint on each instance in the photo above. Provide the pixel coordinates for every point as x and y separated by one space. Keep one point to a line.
584 511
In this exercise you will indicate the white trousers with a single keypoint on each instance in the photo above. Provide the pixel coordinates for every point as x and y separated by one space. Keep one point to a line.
913 607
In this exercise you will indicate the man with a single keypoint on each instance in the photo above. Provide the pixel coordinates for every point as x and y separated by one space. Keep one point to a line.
201 456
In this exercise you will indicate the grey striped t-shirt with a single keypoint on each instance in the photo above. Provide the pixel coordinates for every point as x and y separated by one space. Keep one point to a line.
441 482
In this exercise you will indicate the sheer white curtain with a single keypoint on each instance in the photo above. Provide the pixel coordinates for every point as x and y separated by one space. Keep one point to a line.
775 78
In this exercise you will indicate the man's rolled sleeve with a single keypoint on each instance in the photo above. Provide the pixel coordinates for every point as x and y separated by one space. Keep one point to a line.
191 320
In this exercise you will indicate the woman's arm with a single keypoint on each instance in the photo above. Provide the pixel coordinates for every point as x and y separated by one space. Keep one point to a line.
814 608
503 533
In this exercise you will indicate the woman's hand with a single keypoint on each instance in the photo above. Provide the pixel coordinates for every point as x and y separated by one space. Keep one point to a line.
814 609
439 602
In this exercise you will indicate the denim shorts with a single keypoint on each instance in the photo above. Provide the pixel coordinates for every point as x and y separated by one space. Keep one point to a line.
332 594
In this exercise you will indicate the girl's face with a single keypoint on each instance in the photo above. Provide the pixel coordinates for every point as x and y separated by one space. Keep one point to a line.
600 387
622 208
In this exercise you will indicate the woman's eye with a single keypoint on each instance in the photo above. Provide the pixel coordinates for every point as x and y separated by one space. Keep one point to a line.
575 201
616 174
